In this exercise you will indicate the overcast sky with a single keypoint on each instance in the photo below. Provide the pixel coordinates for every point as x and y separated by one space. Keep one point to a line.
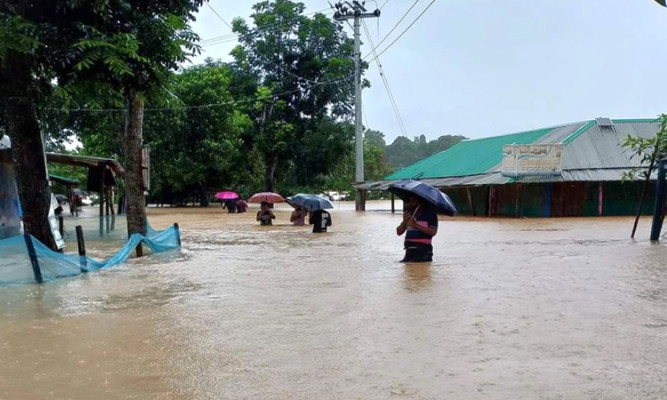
486 67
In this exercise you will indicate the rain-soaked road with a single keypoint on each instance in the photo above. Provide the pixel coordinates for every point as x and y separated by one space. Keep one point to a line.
509 309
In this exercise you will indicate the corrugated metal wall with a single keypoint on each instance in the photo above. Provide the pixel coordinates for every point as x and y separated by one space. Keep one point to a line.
557 199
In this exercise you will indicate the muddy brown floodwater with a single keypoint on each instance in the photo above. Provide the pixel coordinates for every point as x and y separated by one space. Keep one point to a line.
509 309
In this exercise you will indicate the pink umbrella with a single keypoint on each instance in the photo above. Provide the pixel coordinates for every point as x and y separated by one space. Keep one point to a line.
268 197
228 195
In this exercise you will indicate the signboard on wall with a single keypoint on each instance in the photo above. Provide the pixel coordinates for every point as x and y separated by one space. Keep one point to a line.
531 159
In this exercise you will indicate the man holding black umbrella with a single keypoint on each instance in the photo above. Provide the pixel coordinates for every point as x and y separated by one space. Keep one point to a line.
421 221
420 224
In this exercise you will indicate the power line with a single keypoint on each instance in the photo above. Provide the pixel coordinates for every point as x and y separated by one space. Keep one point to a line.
211 105
384 4
219 16
396 25
387 87
230 37
402 33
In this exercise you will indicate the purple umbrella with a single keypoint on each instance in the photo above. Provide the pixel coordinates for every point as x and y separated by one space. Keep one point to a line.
228 195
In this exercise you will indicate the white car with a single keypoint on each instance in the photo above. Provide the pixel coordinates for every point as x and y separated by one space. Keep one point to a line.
336 196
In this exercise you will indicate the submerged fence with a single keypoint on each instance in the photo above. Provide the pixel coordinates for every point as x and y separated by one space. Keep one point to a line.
24 259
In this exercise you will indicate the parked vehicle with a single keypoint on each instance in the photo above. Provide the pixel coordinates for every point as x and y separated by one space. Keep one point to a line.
62 199
335 196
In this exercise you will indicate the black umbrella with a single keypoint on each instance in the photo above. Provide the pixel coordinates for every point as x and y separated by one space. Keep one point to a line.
433 195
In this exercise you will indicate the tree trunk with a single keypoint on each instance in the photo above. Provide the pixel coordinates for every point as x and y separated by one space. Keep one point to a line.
651 167
205 199
16 87
270 181
134 186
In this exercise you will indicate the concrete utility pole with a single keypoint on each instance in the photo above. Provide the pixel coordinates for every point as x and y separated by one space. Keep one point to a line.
355 10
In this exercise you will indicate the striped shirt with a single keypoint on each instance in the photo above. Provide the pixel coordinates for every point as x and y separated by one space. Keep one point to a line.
425 218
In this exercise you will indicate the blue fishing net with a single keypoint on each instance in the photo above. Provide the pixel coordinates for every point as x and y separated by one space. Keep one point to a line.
17 267
106 228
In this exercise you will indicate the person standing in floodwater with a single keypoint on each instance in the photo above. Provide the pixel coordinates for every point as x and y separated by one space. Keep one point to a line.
420 224
298 217
241 206
265 215
320 220
230 205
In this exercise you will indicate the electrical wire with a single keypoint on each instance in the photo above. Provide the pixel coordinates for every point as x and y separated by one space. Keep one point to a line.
211 105
402 33
219 16
387 87
231 37
396 25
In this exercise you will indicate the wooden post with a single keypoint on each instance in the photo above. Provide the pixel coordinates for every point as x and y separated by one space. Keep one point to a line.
102 192
492 198
393 205
517 200
600 199
82 249
36 270
178 232
111 199
470 203
70 200
360 201
107 190
107 209
61 226
547 200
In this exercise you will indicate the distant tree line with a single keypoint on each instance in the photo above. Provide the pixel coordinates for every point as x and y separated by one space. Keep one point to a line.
401 152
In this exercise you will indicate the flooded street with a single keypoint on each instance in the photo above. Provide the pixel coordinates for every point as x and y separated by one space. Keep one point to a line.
509 309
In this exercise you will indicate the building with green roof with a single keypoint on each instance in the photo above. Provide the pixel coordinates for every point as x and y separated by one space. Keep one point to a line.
566 170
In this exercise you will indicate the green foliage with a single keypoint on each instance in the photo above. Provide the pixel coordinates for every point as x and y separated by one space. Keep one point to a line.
114 51
403 151
303 72
201 145
134 45
280 114
376 166
16 34
648 150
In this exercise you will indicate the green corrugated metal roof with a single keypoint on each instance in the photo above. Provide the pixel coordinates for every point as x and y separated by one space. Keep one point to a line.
588 125
469 157
62 179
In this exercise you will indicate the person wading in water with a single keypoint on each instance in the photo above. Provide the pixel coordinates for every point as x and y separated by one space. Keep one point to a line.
320 220
420 224
265 215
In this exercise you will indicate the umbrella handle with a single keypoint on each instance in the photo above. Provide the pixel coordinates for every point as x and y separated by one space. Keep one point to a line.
412 216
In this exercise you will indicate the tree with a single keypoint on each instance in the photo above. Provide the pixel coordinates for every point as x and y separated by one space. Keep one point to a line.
133 48
375 138
375 160
130 45
35 40
403 151
303 71
650 151
204 147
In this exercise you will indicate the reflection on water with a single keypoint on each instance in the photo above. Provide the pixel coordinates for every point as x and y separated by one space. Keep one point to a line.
417 275
566 308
